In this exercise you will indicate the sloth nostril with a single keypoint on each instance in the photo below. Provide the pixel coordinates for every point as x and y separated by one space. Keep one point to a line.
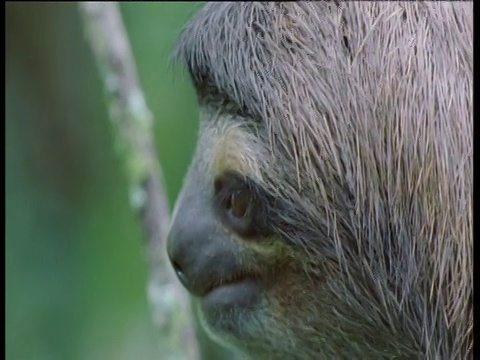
179 271
176 266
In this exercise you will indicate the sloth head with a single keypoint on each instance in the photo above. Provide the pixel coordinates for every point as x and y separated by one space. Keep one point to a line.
327 210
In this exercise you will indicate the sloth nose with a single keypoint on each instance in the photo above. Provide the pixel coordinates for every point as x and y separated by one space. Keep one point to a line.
179 271
181 246
192 243
199 252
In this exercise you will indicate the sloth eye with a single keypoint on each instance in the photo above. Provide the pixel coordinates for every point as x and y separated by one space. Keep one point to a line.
237 204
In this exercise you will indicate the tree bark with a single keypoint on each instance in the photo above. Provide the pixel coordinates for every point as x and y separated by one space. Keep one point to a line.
132 124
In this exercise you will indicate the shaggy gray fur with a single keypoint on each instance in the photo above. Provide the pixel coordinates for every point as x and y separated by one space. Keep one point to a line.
366 112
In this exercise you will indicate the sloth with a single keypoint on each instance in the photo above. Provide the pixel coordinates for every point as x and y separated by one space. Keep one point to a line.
327 211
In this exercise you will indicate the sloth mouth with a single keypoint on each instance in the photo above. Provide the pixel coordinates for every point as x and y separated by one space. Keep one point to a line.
232 280
238 290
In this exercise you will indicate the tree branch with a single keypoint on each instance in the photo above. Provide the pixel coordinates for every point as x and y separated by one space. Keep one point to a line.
132 123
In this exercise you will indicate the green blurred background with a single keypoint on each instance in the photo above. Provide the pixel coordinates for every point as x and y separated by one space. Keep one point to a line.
76 269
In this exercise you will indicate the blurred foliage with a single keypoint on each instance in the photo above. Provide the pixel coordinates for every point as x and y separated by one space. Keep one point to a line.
76 273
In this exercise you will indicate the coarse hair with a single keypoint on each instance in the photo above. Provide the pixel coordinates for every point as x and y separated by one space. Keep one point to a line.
367 115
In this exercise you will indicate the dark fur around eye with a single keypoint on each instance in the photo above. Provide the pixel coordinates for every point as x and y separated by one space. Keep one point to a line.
242 205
